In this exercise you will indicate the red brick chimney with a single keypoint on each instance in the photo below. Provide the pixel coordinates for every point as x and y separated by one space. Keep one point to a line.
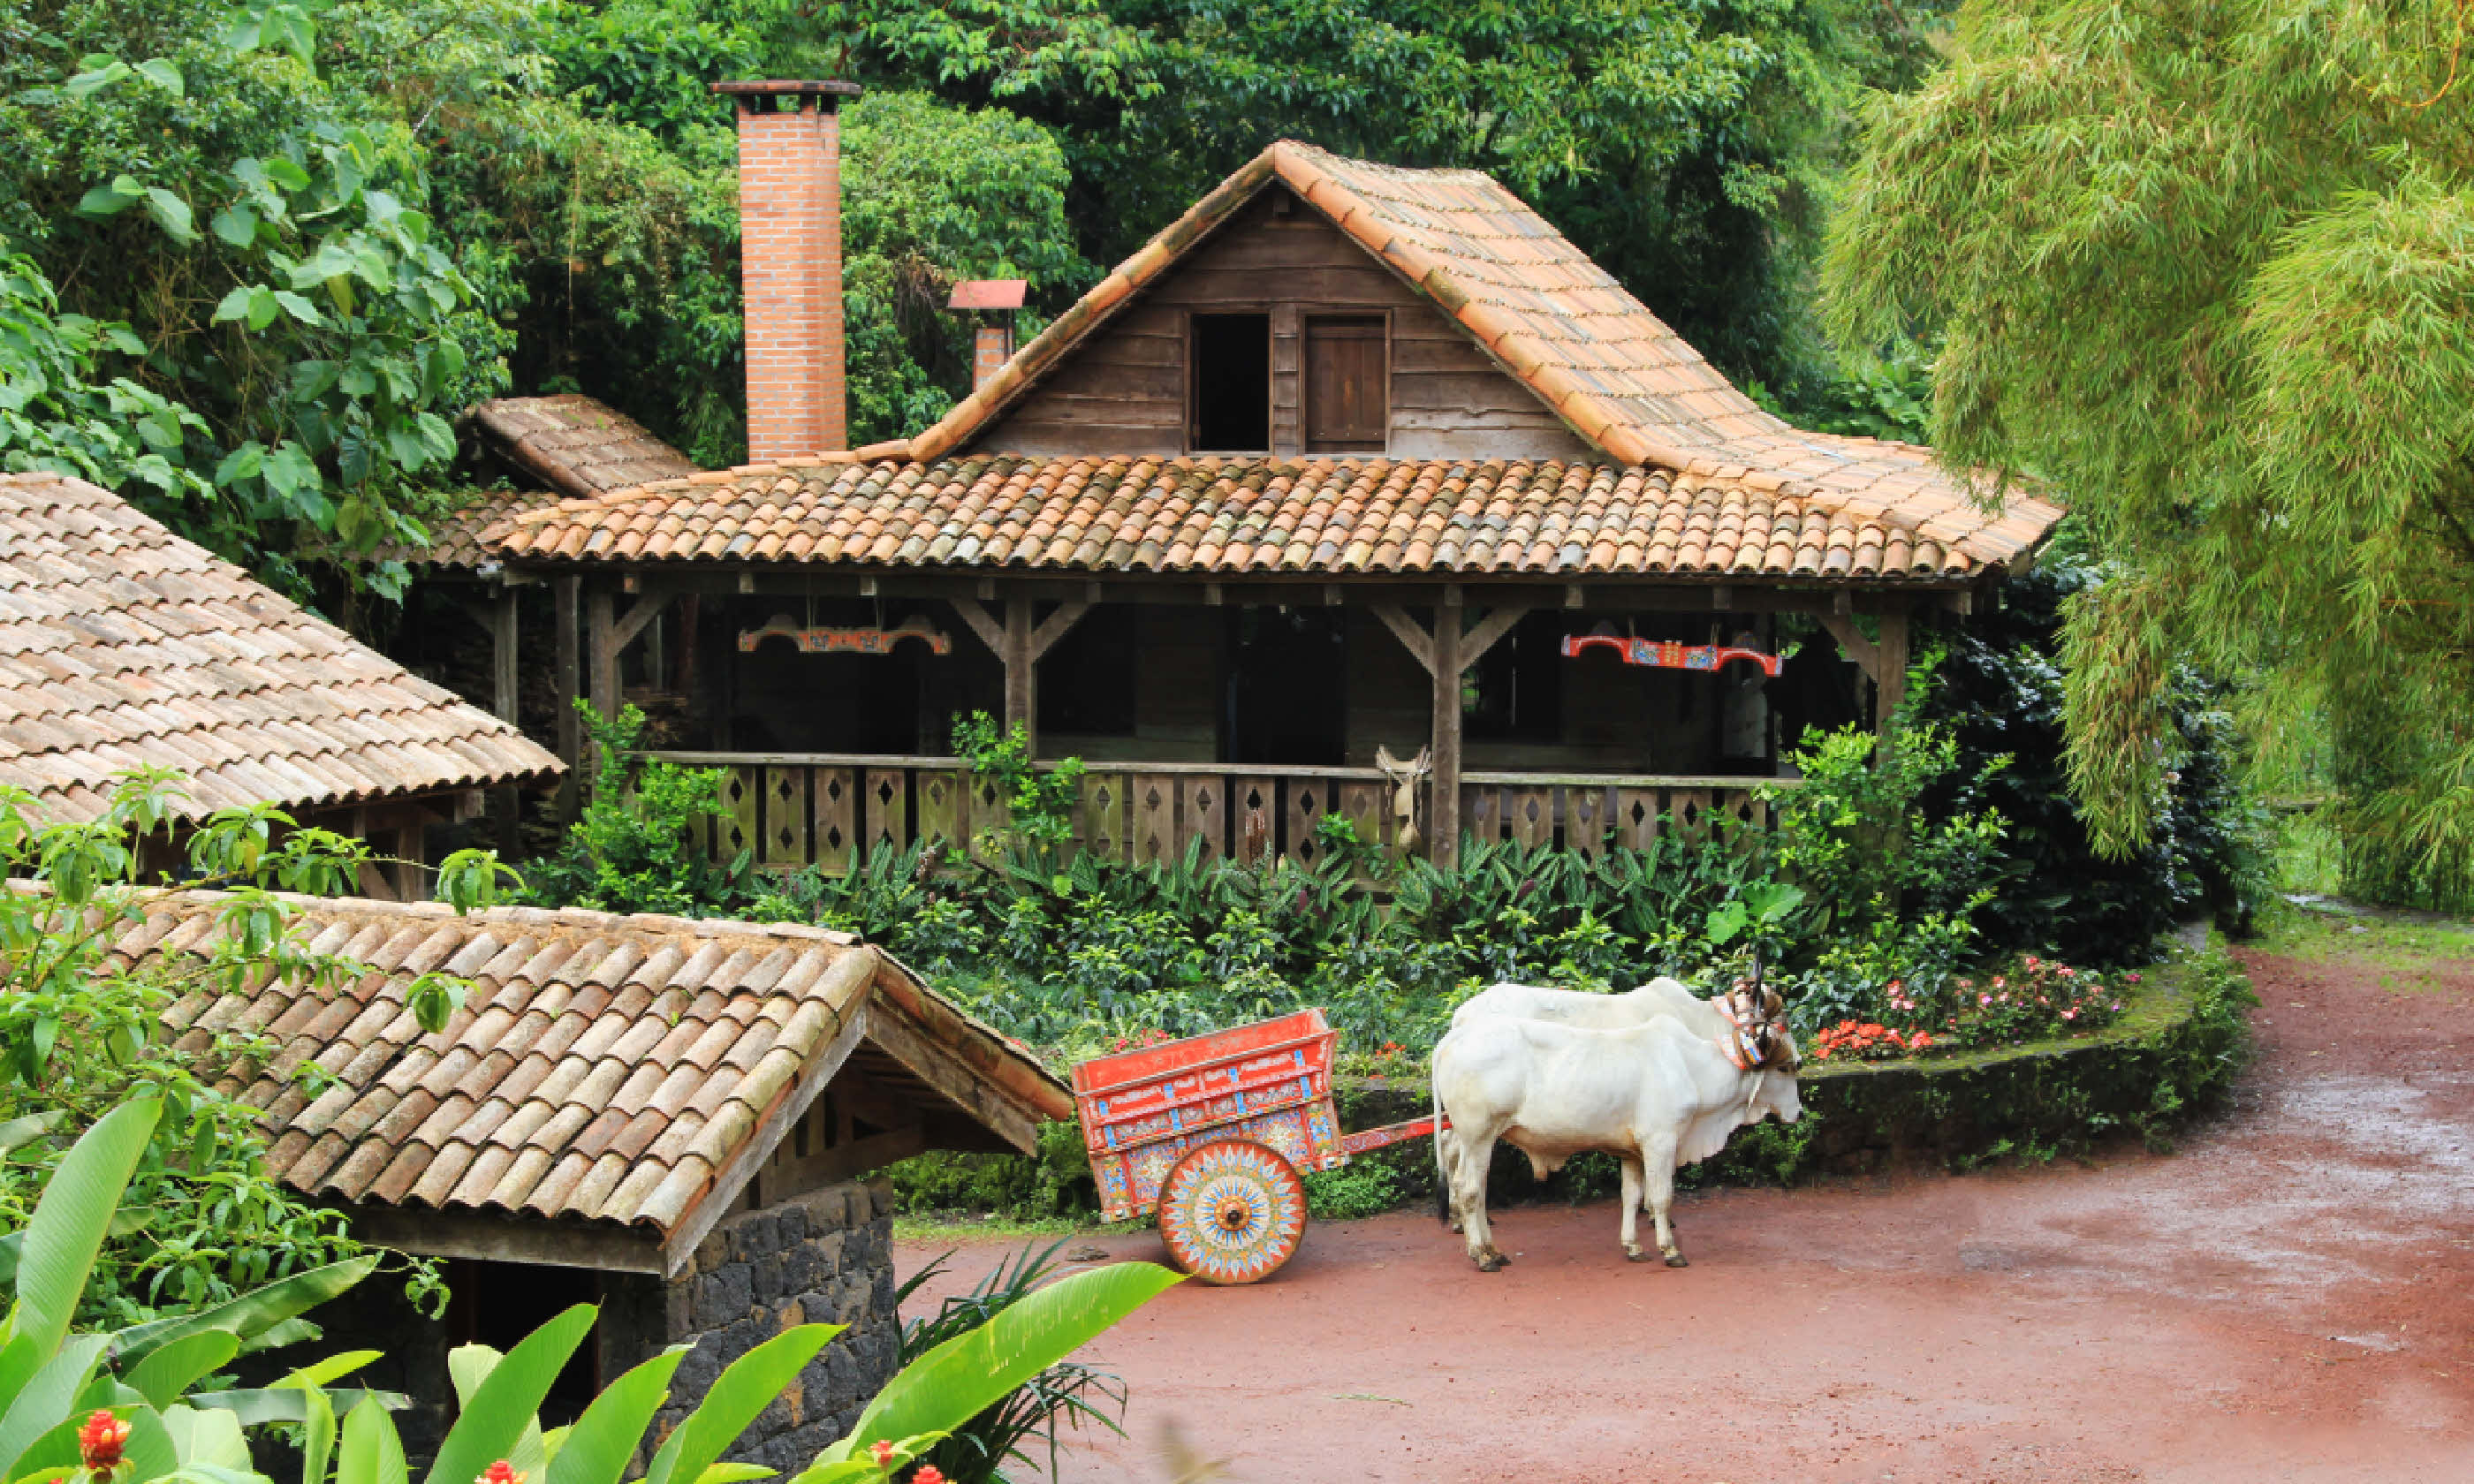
791 255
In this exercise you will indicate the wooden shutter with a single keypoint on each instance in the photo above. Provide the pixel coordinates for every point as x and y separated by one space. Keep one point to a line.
1346 377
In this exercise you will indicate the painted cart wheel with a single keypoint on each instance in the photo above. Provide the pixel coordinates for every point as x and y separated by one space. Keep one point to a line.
1231 1211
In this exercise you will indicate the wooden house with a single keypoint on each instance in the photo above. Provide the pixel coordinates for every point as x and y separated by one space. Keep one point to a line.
123 646
674 1119
1348 457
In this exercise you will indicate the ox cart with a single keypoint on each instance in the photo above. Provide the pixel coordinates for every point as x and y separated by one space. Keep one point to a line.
1213 1131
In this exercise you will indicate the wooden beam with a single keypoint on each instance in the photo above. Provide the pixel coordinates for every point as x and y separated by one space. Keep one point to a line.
1890 683
503 669
643 612
1411 634
1861 650
840 987
601 652
571 684
1056 626
1444 783
898 1038
1492 627
564 1243
850 1160
991 631
1021 673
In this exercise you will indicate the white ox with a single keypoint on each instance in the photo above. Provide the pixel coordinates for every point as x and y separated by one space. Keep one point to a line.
1660 997
1655 1095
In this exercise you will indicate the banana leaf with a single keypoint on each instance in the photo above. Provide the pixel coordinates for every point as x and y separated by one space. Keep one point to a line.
503 1406
255 1406
258 1312
66 1230
599 1447
746 1388
173 1369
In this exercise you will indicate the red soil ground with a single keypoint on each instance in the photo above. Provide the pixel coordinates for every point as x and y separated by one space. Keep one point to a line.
2286 1298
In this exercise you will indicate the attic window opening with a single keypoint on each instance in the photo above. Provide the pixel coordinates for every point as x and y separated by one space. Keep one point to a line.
1231 357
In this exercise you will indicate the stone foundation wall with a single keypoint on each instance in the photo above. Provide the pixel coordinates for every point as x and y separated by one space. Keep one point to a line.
823 1257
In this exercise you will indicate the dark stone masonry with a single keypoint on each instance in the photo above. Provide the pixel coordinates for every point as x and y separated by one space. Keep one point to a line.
822 1257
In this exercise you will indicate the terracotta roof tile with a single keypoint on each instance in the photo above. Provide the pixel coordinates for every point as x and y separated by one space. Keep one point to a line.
248 697
1232 515
587 1103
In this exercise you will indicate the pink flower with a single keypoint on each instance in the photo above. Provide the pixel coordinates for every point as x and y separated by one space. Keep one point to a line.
1999 982
2070 1015
1984 1000
2068 970
2133 978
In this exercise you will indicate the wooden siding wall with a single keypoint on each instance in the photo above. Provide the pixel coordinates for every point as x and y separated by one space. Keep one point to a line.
1124 389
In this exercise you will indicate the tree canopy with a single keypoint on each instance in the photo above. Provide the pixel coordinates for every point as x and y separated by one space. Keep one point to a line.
2208 270
258 256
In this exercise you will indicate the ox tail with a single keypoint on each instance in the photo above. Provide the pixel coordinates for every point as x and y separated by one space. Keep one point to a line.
1443 1165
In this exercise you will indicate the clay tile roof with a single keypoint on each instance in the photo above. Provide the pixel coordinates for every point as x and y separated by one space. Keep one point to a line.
121 644
1546 315
1242 516
570 445
520 1100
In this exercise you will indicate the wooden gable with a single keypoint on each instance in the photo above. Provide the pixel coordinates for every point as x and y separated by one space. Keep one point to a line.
1358 363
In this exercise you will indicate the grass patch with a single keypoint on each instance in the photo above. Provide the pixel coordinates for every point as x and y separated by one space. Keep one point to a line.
2412 953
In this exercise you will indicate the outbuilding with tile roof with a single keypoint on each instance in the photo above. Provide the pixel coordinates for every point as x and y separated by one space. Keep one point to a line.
1350 460
123 646
674 1118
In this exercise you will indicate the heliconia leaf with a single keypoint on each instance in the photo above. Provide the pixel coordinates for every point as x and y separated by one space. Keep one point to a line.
204 1436
162 1377
255 1312
503 1406
598 1448
19 1131
730 1404
372 1453
734 1473
255 1406
46 1396
66 1230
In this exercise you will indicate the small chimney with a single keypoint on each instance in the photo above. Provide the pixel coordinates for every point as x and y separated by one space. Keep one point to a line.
791 255
997 298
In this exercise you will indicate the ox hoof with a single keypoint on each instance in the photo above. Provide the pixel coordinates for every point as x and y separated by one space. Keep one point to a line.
1676 1259
1492 1262
1635 1254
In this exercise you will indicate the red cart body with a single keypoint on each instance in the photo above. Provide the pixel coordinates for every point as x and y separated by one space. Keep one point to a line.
1269 1082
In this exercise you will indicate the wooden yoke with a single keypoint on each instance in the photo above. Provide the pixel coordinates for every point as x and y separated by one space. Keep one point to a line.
1446 653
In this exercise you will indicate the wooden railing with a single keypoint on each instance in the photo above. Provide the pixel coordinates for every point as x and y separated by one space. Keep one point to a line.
830 809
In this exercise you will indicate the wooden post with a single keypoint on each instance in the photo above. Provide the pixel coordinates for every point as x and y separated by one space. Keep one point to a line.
1021 673
602 650
1890 682
1444 811
502 704
571 684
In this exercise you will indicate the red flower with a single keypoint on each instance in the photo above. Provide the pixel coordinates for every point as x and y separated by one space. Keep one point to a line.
929 1473
500 1472
883 1452
100 1439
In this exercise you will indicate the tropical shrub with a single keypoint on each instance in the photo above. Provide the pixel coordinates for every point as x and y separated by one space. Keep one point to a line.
1067 1392
637 846
1998 690
81 1032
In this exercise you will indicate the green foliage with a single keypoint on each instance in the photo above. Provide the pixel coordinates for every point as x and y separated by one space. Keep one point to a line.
292 323
2206 270
54 1381
1999 691
81 1033
1362 1188
1067 1392
1055 1182
637 843
1039 801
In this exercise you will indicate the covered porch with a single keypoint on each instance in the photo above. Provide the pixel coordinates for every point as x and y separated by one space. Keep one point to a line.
1233 715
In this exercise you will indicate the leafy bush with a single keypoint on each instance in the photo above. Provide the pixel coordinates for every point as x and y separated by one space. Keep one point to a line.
1066 1393
1997 691
638 845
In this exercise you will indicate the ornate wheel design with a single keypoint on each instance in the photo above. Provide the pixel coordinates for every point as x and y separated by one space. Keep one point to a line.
1231 1211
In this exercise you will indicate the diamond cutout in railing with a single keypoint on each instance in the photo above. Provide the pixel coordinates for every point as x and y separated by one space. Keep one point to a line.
1151 800
833 836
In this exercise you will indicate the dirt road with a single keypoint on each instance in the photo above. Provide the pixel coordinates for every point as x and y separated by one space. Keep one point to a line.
2285 1299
